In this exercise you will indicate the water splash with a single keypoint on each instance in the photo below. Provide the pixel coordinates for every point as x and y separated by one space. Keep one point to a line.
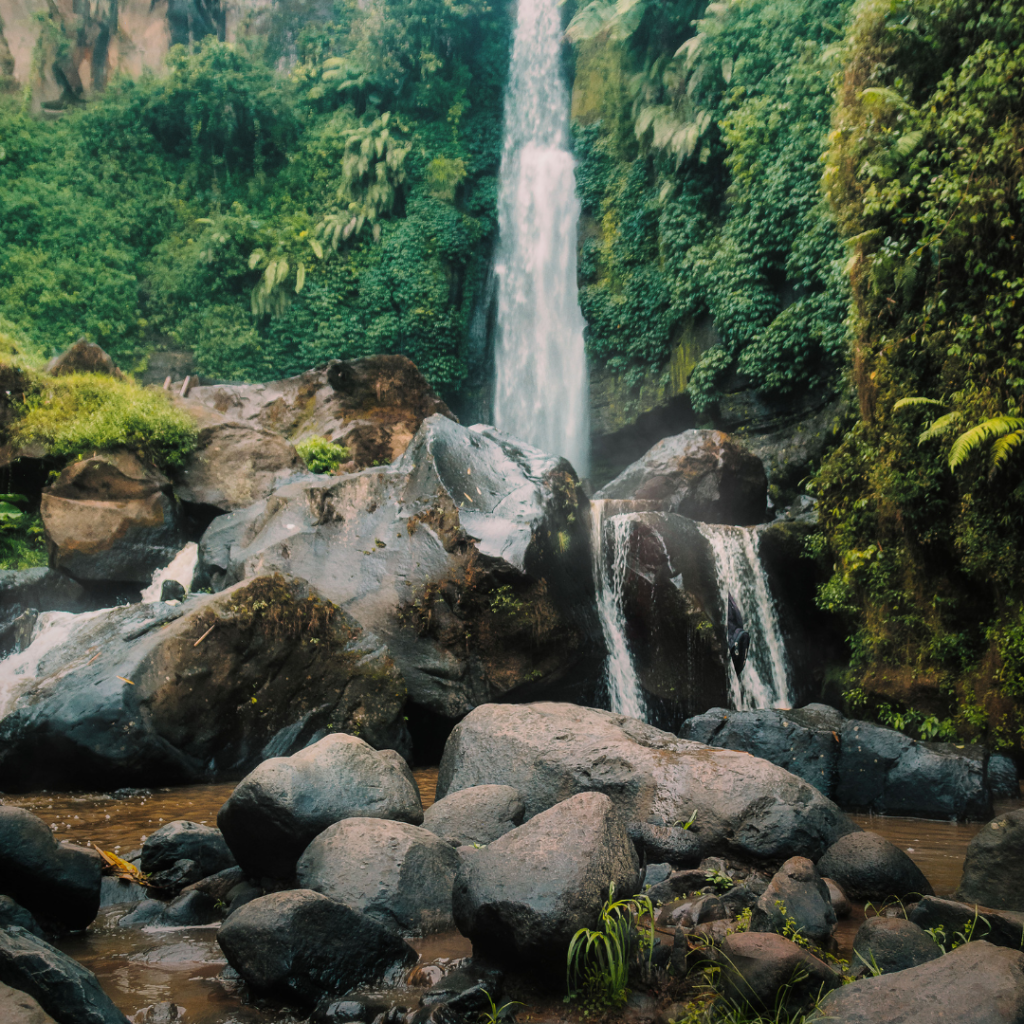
540 365
625 696
181 570
765 681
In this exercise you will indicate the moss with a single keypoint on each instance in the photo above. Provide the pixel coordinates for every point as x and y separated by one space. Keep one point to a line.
321 455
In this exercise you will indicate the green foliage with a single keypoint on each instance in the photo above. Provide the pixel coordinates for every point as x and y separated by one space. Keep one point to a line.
22 544
321 455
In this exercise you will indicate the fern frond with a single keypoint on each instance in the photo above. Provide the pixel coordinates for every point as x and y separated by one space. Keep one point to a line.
907 143
1002 449
903 403
983 433
940 426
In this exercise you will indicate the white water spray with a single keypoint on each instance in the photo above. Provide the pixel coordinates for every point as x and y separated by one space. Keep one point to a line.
540 366
624 693
181 570
765 680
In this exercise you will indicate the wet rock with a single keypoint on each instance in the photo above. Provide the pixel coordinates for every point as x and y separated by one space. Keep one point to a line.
182 852
300 945
45 590
689 913
83 357
796 894
234 465
889 944
54 881
886 772
677 885
277 810
469 557
764 970
190 910
665 843
977 983
344 1010
396 873
526 894
172 590
869 867
1002 777
63 988
744 806
467 988
114 891
655 874
219 885
13 914
111 518
702 474
992 869
240 895
807 748
840 901
20 1008
217 684
960 922
475 816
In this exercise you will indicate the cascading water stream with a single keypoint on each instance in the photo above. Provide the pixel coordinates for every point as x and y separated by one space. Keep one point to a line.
765 679
540 390
624 694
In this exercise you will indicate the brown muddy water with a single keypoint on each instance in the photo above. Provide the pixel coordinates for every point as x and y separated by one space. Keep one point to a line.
183 966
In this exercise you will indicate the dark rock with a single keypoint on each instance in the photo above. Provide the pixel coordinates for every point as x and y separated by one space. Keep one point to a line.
191 909
300 945
345 1010
744 806
840 901
467 988
20 1008
696 911
796 894
526 894
976 983
655 874
869 867
220 884
889 944
673 844
992 869
111 518
255 687
54 881
477 815
240 895
765 970
202 847
13 914
114 891
678 884
809 749
1002 777
234 465
396 873
172 590
739 898
962 921
83 357
469 557
702 474
63 988
16 628
45 590
277 810
886 772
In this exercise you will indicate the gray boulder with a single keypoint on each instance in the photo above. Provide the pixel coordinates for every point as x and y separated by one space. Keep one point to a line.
547 752
475 816
956 923
1002 777
992 869
20 1008
658 843
12 914
469 557
976 983
869 867
182 852
165 694
63 988
300 946
43 589
398 874
702 474
527 893
796 894
54 881
190 910
278 809
889 944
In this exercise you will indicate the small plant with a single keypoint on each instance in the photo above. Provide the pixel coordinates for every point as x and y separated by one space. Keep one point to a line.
504 600
687 823
496 1013
721 881
598 963
321 455
21 535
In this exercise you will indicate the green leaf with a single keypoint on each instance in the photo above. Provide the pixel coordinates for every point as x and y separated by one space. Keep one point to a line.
969 441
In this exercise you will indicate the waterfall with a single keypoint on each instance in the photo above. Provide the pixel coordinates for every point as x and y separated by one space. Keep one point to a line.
624 694
765 679
540 366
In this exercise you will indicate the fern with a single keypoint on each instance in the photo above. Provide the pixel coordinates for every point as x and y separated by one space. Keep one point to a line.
904 403
984 433
941 426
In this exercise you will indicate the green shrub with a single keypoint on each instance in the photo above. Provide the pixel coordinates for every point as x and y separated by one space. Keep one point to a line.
321 455
21 535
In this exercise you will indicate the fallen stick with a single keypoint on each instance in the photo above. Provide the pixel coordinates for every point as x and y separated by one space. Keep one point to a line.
205 635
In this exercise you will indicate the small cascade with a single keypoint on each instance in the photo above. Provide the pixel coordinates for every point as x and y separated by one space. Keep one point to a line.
625 696
765 681
181 570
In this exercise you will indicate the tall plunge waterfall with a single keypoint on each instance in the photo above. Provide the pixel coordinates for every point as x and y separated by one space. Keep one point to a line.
765 680
540 366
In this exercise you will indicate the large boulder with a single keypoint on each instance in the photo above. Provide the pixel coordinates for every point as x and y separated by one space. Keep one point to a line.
68 992
182 852
701 474
235 464
992 869
744 806
279 808
111 518
1002 777
394 872
475 816
868 867
43 589
469 557
20 1008
955 923
889 944
527 893
796 898
83 357
301 945
977 983
55 881
162 694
